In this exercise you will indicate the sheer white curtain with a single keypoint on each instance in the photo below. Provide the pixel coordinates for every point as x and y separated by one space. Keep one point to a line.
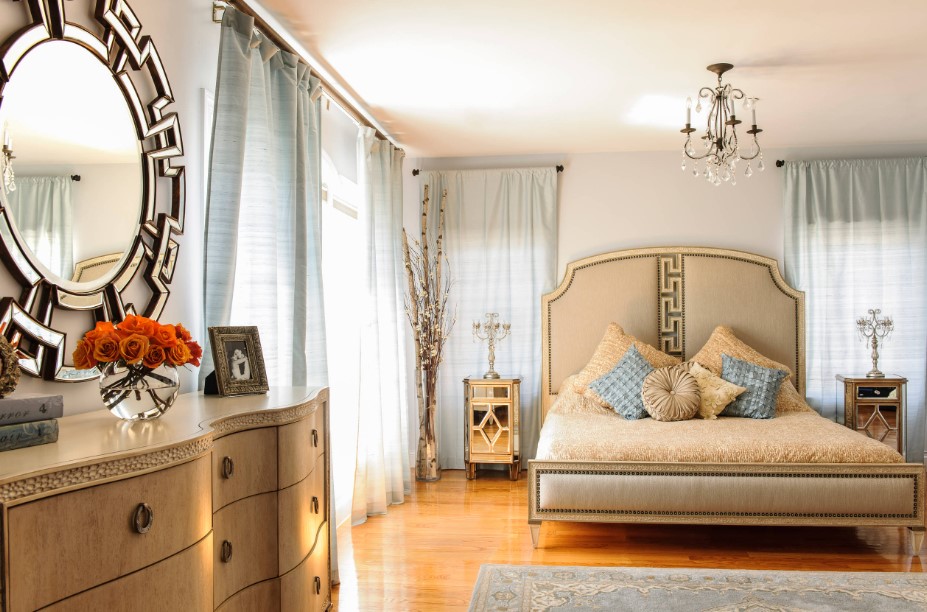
855 239
263 249
501 243
382 476
43 210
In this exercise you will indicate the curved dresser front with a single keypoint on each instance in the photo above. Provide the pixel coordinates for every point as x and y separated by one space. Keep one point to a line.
222 503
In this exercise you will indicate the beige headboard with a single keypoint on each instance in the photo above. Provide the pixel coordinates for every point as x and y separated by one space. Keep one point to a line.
671 298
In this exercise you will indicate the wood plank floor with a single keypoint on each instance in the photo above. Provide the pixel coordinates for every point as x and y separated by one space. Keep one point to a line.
425 553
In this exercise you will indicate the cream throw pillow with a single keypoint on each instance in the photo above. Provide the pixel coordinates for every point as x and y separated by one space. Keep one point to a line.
670 394
614 344
715 392
723 341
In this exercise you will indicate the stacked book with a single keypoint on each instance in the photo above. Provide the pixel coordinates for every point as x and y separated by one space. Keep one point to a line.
29 419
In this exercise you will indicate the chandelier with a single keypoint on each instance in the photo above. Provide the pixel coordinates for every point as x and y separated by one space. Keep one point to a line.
720 149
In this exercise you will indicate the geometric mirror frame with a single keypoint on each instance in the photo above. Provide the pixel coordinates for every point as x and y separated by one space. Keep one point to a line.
147 266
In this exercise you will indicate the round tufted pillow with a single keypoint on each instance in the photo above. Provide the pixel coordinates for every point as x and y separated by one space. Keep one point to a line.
671 394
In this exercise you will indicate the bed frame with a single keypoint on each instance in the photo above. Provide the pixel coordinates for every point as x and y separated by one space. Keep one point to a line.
672 298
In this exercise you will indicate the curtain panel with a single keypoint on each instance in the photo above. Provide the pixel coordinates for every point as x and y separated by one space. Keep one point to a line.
501 245
855 239
263 243
43 210
382 476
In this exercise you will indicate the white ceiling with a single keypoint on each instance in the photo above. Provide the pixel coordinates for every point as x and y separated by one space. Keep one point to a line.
504 77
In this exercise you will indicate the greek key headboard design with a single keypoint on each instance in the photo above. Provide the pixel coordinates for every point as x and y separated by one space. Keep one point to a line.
671 298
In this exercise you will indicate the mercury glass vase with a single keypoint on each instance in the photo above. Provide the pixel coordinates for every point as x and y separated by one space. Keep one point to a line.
136 392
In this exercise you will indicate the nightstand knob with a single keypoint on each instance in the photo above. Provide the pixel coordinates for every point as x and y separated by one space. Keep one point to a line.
315 504
226 554
315 438
317 583
228 467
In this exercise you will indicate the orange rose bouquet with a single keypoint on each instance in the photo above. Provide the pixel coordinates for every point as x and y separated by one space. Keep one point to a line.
137 356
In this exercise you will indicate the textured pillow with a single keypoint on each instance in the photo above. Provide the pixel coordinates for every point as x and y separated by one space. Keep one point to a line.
613 346
759 400
715 393
670 394
621 386
724 341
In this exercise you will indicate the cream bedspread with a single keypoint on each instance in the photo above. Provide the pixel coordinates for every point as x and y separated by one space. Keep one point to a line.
577 429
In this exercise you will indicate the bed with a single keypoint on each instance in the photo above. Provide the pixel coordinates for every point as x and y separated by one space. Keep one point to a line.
795 469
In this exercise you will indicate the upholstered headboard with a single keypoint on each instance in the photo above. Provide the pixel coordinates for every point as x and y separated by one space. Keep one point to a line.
671 298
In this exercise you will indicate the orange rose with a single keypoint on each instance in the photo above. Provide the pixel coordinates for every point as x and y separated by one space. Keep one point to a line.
133 348
154 357
165 335
178 354
196 351
106 348
133 324
83 356
183 333
103 328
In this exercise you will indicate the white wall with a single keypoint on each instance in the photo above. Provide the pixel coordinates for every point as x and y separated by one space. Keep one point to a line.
188 43
614 201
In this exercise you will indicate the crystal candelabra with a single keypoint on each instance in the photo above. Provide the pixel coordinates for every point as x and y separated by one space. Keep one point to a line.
493 332
6 165
721 148
871 329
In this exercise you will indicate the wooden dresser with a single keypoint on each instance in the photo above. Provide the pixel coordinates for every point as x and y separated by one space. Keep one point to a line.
222 503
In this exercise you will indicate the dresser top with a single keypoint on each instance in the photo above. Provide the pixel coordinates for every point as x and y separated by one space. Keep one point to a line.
97 445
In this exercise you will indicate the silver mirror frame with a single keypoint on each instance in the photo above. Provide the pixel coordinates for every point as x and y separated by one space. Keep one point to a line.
152 256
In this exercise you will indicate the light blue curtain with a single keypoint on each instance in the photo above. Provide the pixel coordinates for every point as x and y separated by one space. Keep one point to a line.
263 248
855 239
42 208
501 244
382 476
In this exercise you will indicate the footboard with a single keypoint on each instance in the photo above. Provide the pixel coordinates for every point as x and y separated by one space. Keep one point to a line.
727 494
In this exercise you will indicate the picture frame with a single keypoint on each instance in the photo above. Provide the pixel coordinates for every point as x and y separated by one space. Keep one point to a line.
239 360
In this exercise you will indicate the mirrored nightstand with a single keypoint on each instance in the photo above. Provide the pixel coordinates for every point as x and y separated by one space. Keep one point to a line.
491 409
875 407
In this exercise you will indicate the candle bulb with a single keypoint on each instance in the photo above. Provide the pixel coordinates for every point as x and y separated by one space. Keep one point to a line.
753 112
688 111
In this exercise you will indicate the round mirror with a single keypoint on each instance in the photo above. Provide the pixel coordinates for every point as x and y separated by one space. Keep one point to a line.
76 197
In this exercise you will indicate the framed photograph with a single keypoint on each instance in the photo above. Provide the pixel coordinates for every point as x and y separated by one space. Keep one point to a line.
236 351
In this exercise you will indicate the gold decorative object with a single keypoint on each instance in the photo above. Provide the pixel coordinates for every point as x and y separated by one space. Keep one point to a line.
427 310
870 329
9 367
491 331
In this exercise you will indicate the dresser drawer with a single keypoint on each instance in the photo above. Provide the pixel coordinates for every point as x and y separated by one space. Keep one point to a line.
244 464
245 543
303 507
301 446
65 544
181 582
308 586
261 596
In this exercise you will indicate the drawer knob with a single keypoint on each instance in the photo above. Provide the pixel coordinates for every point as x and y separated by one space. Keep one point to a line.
318 585
226 554
228 467
315 504
315 438
143 518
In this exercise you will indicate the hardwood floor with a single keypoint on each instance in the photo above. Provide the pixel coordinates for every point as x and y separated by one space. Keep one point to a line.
425 553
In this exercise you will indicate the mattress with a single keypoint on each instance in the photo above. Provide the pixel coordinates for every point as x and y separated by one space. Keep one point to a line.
579 430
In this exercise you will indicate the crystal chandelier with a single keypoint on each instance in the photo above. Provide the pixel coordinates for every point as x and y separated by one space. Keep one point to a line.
720 148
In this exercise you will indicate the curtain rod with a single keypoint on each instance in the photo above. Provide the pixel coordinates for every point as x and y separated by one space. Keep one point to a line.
416 171
780 163
218 9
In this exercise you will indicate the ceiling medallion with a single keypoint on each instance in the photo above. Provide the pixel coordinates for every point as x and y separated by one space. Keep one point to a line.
720 148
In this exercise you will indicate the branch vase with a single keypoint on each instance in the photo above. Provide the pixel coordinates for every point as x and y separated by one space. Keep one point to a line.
135 392
427 468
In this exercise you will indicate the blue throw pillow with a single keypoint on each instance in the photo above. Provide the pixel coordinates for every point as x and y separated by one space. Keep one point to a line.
621 386
759 400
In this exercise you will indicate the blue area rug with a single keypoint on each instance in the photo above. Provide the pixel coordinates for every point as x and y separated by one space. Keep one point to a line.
532 587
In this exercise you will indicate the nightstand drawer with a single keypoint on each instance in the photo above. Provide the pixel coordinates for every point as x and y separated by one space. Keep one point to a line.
303 507
74 541
877 393
244 464
245 544
301 447
181 582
